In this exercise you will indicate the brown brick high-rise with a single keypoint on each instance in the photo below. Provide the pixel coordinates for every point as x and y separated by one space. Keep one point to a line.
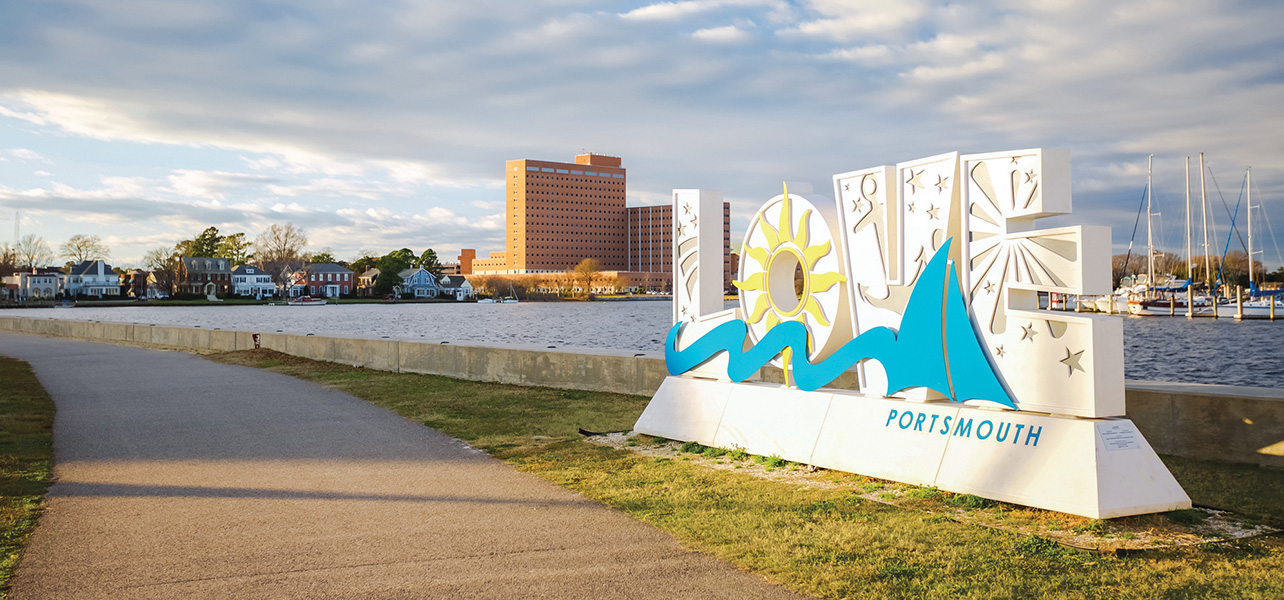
558 214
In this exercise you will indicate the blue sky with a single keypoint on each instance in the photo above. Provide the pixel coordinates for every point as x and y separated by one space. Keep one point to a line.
386 124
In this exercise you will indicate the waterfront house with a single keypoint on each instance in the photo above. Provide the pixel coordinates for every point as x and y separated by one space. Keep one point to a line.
205 276
156 288
418 282
133 283
323 280
366 282
249 280
38 284
93 278
456 286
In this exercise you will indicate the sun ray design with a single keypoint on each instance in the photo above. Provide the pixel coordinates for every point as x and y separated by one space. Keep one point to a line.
770 291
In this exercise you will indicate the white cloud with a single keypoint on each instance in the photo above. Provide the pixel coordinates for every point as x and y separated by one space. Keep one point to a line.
671 11
212 184
849 20
729 34
28 155
42 174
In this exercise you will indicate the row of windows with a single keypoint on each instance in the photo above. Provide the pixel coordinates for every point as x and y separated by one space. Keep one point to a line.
573 172
330 277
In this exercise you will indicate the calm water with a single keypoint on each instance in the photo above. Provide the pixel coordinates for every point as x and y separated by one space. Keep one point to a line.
1218 351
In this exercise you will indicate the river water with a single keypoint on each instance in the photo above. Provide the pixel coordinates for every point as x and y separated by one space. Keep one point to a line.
1220 351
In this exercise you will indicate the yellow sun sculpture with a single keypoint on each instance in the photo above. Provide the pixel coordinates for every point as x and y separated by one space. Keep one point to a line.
769 282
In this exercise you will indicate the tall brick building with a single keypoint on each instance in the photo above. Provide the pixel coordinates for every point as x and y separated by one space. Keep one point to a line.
650 240
558 214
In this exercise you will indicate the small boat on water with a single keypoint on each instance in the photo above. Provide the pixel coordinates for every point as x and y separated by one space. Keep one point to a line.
65 304
306 301
488 301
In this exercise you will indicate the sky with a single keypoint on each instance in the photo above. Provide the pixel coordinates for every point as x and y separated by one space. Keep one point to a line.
380 125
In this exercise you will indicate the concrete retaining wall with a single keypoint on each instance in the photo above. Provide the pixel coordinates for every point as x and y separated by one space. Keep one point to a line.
1216 422
1232 424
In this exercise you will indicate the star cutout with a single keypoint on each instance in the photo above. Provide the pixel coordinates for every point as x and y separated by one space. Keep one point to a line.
847 187
682 229
1072 361
859 206
932 210
915 180
910 207
1015 159
999 351
693 220
1029 176
942 183
686 208
684 311
1028 333
989 287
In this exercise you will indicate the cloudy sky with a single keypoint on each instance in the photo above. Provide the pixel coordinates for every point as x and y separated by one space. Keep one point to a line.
378 125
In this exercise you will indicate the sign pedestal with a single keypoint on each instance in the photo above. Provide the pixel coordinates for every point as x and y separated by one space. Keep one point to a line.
1097 468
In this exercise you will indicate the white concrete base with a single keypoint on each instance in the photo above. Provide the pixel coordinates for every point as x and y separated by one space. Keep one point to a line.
1097 468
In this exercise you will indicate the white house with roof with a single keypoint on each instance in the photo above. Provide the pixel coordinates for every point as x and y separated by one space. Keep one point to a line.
457 286
38 284
419 282
249 280
93 278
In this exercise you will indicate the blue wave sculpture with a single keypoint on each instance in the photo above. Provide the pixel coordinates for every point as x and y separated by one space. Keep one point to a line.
935 326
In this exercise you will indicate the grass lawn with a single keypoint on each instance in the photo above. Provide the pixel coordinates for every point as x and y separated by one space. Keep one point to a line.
824 541
26 459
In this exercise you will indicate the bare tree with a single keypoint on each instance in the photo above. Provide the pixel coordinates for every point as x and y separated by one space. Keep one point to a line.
586 274
81 248
33 251
166 266
281 243
8 259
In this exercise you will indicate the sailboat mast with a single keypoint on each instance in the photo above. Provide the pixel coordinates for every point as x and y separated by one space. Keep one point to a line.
1150 231
1190 261
1203 201
1250 227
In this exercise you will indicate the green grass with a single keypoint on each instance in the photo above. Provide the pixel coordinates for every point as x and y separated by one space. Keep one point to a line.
824 541
26 460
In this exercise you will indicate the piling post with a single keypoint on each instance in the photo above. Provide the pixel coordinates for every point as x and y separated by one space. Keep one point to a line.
1190 302
1239 304
1172 305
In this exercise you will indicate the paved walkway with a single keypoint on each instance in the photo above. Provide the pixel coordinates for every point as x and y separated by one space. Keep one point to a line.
177 477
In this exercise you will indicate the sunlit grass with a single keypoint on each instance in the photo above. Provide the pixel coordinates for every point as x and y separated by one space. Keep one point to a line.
26 460
825 541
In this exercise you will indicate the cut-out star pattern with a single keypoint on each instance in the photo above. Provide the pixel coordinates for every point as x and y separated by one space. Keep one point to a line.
1028 332
932 211
989 287
999 351
915 181
942 183
1072 360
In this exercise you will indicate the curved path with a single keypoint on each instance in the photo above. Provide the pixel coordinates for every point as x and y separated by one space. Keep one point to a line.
177 477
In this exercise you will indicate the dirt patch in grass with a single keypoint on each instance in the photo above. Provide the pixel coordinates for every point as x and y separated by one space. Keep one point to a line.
824 533
26 460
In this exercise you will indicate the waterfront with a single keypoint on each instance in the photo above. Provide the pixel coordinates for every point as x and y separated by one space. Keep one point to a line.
1220 351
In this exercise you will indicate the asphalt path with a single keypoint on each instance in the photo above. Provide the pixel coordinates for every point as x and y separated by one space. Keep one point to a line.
177 477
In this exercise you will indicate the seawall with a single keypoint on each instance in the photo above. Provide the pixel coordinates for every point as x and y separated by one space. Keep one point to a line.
1224 423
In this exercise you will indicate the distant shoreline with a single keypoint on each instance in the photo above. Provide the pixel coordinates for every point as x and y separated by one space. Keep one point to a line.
249 302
